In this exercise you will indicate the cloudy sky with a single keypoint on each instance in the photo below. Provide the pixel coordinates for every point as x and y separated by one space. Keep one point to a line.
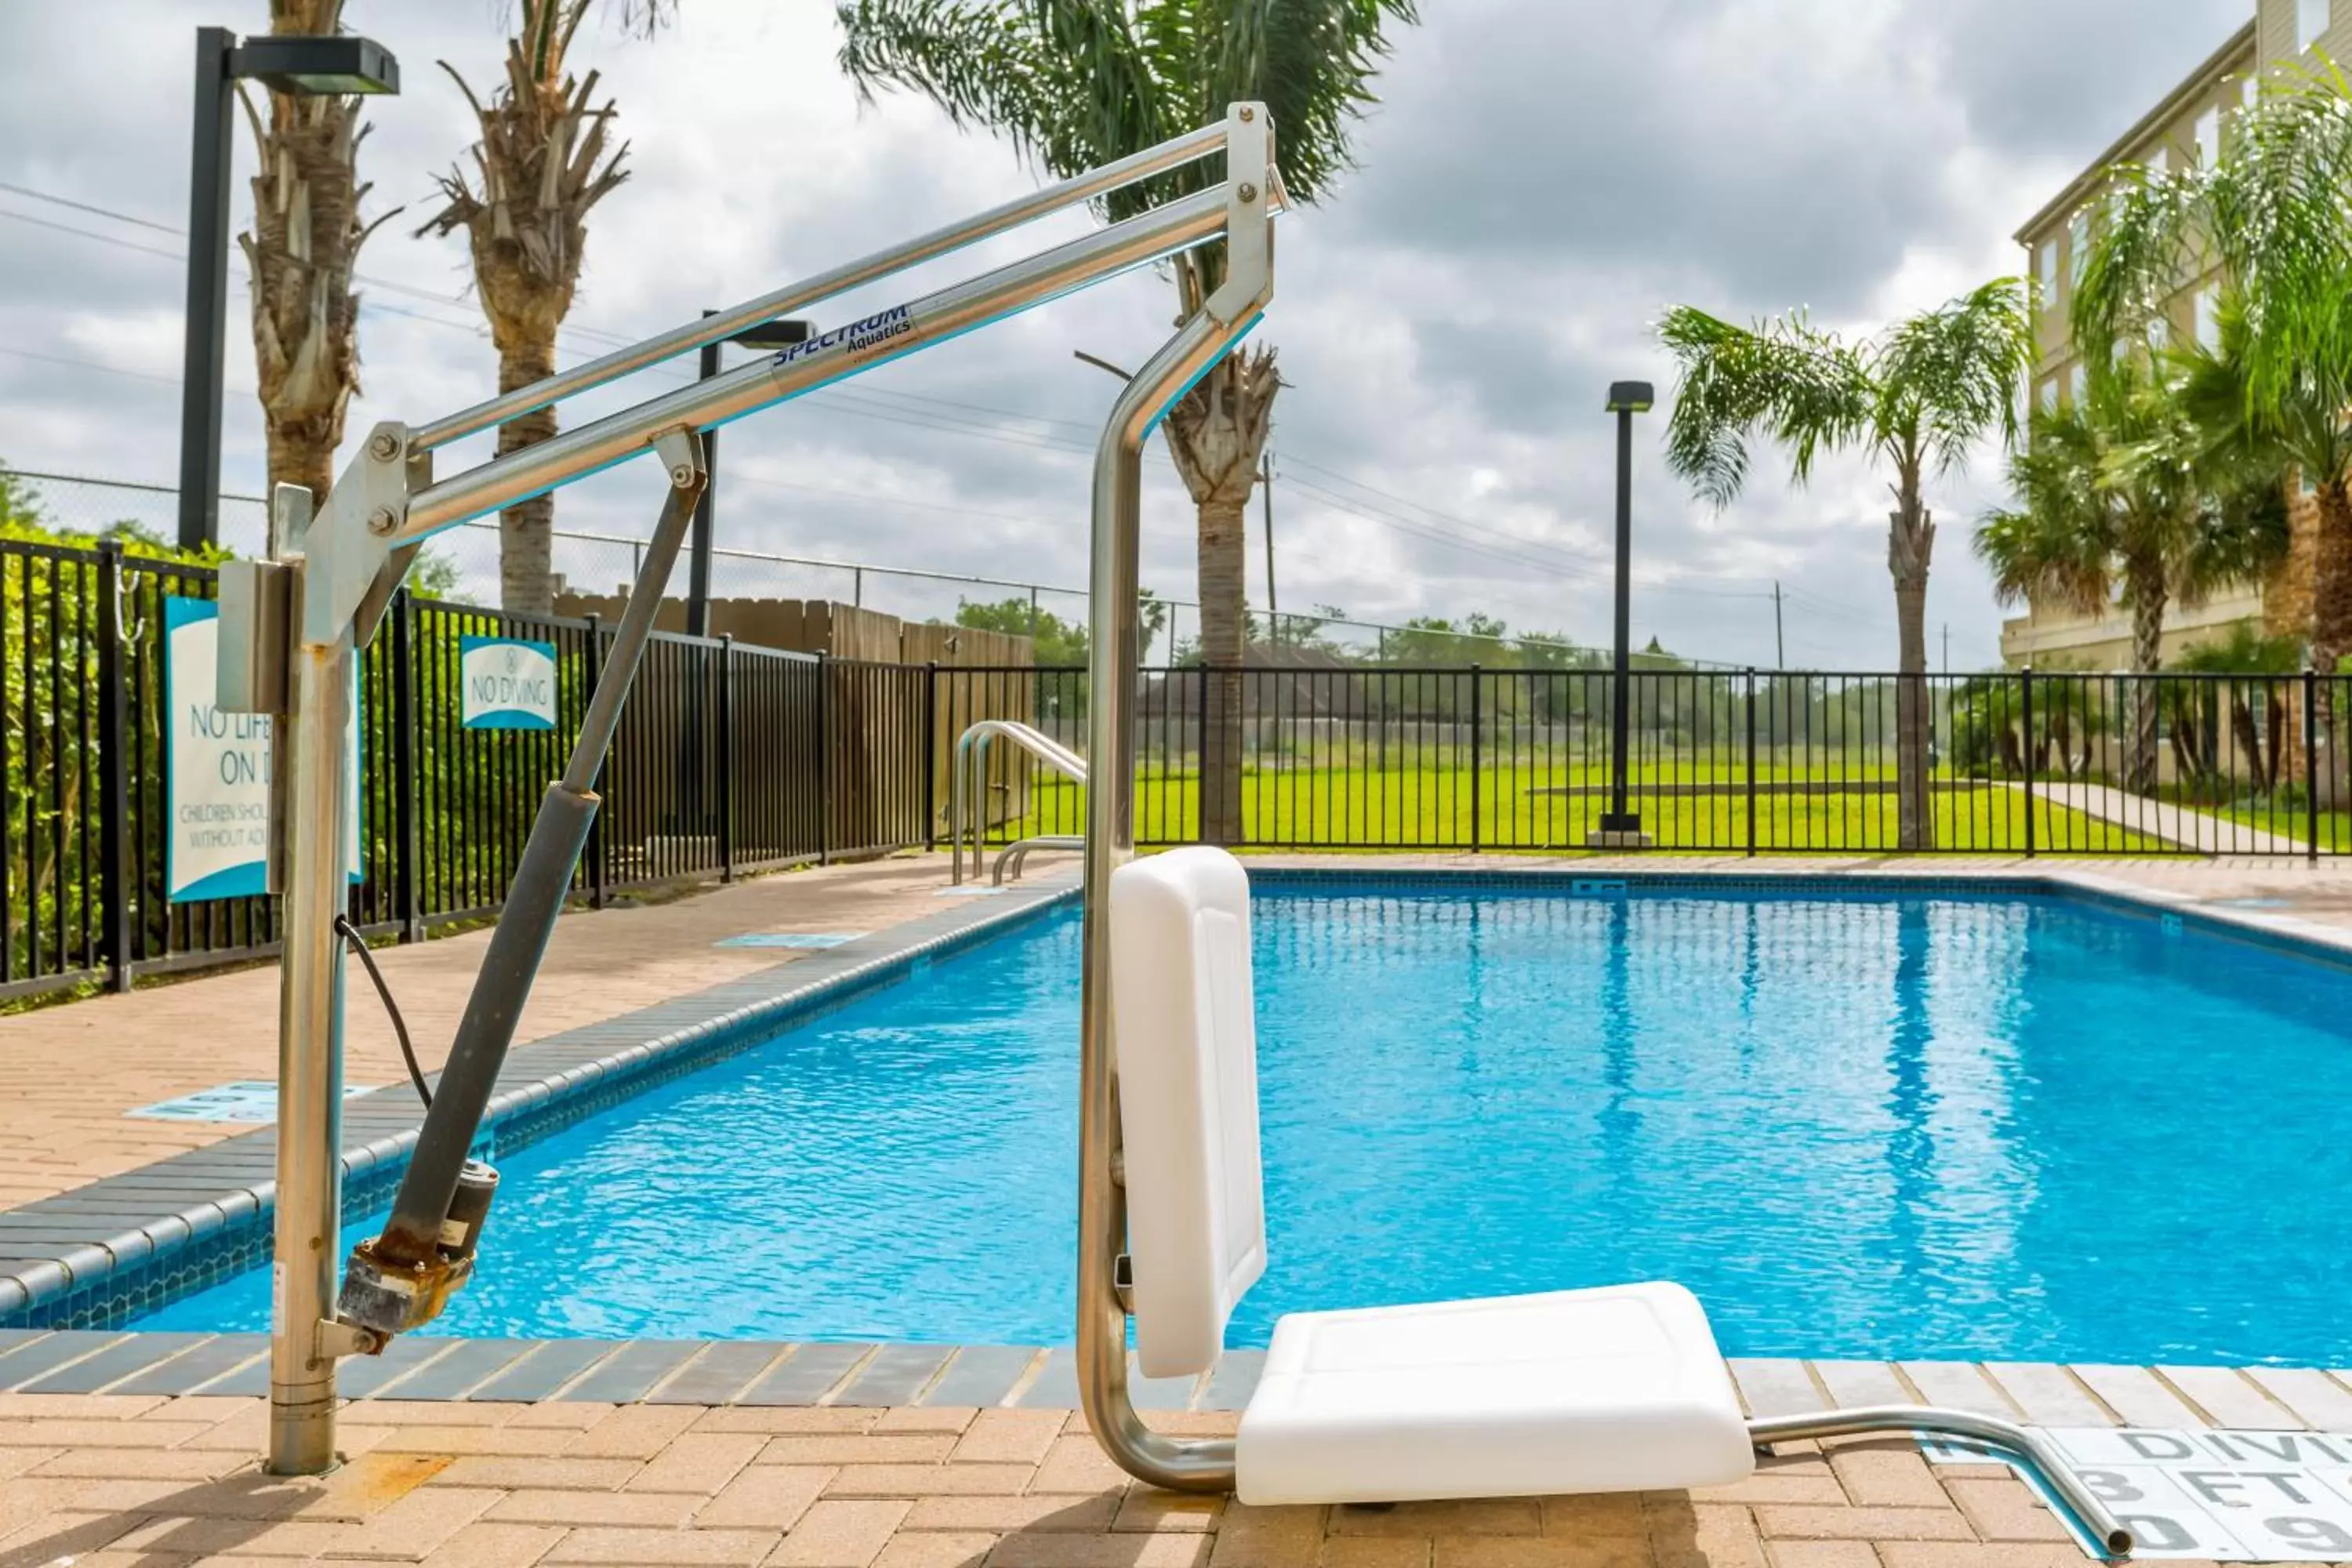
1541 177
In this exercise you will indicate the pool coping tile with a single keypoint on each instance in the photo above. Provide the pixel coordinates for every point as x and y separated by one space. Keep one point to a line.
75 1266
117 1248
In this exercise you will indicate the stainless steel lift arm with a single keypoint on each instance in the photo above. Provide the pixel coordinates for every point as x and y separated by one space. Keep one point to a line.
292 627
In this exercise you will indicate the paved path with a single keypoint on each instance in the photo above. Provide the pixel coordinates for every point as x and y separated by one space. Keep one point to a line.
2176 824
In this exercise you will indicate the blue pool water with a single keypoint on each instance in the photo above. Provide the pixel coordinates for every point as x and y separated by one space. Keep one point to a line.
1937 1126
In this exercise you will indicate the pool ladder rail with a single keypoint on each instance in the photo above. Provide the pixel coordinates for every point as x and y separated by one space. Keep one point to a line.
967 796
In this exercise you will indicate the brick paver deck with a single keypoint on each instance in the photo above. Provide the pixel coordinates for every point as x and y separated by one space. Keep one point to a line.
155 1483
159 1481
73 1070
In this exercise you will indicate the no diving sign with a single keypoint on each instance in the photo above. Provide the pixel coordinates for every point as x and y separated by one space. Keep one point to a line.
2233 1497
507 683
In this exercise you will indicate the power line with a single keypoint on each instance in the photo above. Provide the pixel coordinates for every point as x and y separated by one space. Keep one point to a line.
873 404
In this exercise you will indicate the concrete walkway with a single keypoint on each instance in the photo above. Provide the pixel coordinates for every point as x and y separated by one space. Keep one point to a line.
2175 824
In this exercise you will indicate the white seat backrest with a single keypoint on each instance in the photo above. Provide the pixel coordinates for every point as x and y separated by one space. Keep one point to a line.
1183 1013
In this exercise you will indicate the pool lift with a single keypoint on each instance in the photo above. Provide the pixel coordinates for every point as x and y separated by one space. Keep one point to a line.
1580 1391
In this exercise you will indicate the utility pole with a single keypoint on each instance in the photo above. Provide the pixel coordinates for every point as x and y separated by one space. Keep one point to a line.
1779 644
1948 651
1266 487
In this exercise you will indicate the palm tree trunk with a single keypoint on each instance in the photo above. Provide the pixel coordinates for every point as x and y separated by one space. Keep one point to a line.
527 529
2147 653
305 233
1910 545
1224 557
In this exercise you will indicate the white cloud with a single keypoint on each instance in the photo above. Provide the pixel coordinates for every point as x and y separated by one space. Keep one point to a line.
1540 180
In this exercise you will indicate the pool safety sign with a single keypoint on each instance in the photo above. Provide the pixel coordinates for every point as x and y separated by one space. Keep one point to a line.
2233 1497
507 683
216 783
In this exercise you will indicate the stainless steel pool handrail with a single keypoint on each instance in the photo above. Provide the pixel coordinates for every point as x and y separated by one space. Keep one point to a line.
328 587
968 786
2033 1451
1009 859
1174 153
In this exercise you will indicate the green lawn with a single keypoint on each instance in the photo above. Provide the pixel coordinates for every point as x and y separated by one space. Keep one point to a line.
1505 808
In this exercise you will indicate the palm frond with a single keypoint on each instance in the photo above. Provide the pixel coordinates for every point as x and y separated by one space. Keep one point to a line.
1784 379
1957 368
1312 62
983 65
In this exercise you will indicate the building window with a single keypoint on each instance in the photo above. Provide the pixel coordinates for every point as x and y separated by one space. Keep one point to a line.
2160 333
2078 245
2046 255
2209 137
2249 92
2311 21
2049 395
2209 321
2079 386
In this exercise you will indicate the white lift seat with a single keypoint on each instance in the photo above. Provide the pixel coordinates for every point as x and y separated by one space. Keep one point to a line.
1617 1389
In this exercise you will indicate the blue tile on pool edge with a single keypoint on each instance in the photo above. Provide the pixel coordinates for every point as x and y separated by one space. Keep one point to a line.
471 1362
545 1370
252 1377
132 1353
631 1373
1159 1392
1057 1387
805 1376
49 1353
1234 1379
894 1376
982 1375
356 1377
723 1371
186 1373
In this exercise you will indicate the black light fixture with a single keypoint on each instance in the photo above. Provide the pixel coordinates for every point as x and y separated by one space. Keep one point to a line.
1621 825
782 332
317 66
302 66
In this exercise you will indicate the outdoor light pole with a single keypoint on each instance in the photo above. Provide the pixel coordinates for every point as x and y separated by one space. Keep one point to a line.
303 66
776 334
1620 826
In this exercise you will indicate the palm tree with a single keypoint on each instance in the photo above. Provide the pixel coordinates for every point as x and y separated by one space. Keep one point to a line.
541 165
1075 84
2257 667
2125 498
1918 396
2268 214
305 235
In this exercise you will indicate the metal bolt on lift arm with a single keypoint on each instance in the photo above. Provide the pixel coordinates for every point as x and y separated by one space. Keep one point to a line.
293 626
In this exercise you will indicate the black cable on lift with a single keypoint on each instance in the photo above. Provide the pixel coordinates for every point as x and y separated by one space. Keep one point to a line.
351 934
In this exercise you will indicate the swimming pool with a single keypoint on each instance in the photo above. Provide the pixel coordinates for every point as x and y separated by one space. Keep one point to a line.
1856 1123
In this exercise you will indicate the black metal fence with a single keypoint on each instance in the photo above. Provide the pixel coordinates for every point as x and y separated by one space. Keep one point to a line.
2017 764
732 759
728 760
